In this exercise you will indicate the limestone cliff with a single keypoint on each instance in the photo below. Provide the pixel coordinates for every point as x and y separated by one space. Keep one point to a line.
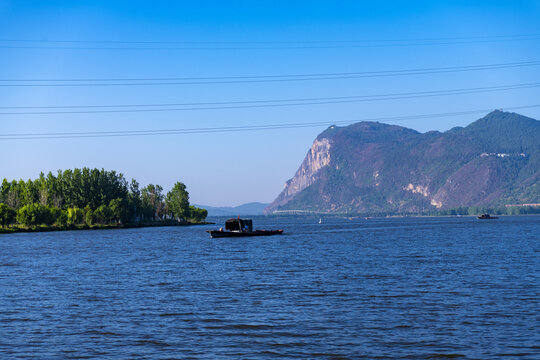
317 158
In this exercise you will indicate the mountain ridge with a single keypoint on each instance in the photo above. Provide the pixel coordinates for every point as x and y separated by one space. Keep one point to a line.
376 167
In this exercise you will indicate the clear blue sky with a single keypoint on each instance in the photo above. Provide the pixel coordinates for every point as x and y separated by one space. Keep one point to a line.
237 167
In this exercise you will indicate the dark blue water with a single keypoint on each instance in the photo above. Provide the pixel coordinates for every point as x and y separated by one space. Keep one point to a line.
375 289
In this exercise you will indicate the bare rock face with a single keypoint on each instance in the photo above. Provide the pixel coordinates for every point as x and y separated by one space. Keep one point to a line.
373 167
317 158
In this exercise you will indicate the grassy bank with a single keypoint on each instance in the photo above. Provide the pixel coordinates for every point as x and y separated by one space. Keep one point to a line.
45 228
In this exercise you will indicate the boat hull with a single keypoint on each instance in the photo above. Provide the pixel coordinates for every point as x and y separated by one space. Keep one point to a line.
486 217
224 234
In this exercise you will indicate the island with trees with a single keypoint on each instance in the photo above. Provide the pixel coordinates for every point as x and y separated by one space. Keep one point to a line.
89 199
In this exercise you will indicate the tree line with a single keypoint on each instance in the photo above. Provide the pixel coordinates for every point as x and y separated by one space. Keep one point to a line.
89 197
501 210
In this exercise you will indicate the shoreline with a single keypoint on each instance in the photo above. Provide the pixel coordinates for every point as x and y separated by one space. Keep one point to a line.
346 216
15 230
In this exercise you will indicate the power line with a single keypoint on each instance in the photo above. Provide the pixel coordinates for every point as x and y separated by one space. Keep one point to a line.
255 79
124 133
136 108
259 45
477 37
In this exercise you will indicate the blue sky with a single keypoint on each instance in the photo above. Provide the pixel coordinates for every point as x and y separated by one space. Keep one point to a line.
237 167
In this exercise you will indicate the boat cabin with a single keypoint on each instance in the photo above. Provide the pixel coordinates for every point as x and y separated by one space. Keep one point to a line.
245 225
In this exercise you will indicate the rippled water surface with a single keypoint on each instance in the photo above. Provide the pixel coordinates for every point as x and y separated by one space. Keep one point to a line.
344 289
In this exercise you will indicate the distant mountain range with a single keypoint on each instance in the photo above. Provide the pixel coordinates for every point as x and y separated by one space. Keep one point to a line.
253 208
375 167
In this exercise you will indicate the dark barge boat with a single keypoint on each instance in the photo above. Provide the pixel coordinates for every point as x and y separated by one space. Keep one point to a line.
240 228
487 216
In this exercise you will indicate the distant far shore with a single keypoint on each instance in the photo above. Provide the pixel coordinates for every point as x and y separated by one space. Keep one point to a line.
45 228
387 216
526 209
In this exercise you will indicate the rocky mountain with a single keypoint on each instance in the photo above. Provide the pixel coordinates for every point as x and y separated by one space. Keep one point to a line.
375 167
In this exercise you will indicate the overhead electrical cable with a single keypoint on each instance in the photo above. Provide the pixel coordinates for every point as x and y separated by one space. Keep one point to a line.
87 82
124 133
254 45
136 108
477 37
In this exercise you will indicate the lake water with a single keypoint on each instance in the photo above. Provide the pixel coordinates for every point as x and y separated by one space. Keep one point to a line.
345 289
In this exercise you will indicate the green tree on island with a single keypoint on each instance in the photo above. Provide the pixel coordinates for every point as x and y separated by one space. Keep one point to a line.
197 214
120 211
134 201
177 201
152 202
75 216
36 214
7 215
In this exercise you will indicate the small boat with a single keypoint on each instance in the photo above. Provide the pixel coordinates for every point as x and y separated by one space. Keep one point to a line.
241 228
487 216
320 220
